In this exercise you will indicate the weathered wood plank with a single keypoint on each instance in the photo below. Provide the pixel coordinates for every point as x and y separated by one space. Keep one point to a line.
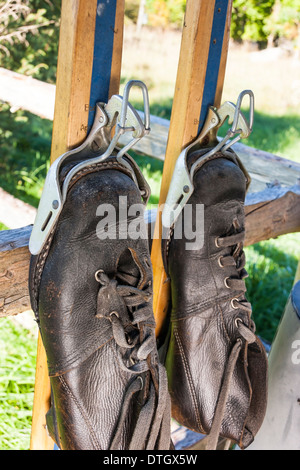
269 214
40 439
270 218
14 266
30 94
74 72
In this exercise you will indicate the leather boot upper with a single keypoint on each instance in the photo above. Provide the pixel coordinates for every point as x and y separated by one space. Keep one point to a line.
216 365
92 297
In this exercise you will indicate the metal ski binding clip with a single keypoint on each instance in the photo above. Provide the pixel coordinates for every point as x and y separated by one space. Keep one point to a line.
117 114
181 187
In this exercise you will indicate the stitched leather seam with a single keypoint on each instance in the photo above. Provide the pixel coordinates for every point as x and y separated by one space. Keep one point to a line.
85 418
188 376
70 366
98 166
39 269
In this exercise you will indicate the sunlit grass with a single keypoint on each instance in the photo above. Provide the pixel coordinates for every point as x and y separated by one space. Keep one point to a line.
17 375
25 143
271 266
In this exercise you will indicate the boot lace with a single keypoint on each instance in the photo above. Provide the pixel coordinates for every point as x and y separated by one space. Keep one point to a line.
246 332
135 344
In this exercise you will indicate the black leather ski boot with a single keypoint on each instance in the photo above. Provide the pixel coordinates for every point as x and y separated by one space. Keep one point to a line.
216 365
91 291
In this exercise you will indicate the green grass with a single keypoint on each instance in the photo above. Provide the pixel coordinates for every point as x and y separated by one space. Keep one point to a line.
271 266
25 142
276 134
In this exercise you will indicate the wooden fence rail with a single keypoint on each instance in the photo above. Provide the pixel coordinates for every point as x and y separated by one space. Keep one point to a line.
269 214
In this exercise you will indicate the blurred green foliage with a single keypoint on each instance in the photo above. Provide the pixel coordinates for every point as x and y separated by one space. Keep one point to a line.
132 10
165 12
284 21
249 19
25 143
252 20
31 51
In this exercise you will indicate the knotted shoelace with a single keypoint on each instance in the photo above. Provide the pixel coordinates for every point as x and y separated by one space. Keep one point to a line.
237 259
152 429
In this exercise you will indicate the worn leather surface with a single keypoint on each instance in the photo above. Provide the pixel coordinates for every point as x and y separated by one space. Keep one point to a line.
76 313
202 324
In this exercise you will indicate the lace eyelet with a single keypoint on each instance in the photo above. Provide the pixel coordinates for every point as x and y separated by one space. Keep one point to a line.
225 282
141 380
237 320
216 242
114 313
232 303
220 262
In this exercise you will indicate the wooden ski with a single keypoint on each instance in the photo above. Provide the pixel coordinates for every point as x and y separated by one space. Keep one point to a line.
89 66
199 84
88 71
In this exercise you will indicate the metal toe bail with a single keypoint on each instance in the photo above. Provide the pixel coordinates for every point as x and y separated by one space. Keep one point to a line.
116 117
181 187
